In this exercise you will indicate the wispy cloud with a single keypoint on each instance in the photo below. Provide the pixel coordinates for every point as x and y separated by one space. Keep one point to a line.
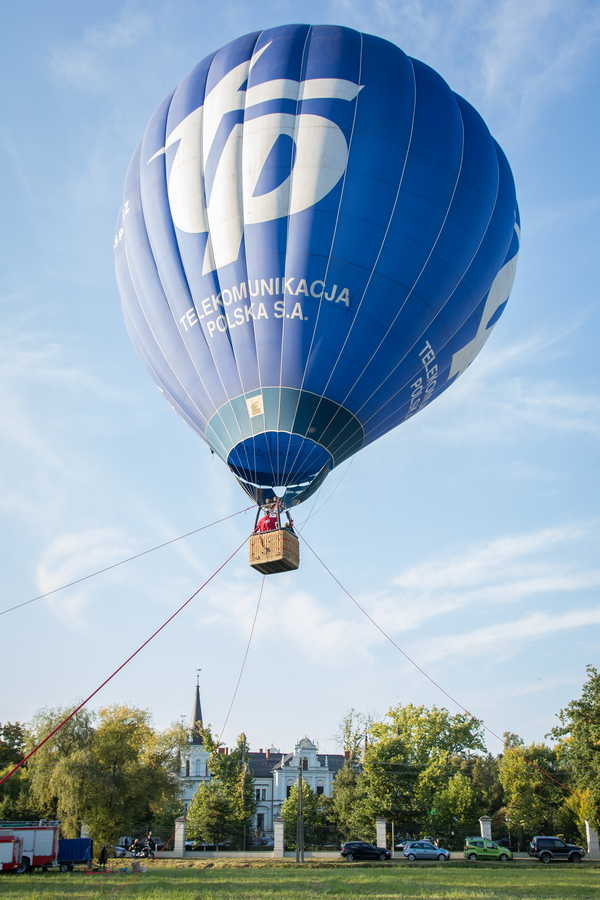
86 63
71 556
504 571
486 562
535 51
319 632
507 635
492 574
520 56
502 393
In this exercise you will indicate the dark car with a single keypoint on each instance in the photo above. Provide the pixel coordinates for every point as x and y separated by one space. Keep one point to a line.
360 850
547 849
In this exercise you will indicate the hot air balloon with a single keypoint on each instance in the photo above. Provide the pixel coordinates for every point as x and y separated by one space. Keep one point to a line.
316 239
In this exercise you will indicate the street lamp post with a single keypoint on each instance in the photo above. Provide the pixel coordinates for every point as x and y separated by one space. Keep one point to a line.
299 818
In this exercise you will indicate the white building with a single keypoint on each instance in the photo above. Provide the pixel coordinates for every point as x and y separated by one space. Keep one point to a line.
194 763
273 772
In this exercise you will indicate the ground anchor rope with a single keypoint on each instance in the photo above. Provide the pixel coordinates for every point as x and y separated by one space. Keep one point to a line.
122 666
543 772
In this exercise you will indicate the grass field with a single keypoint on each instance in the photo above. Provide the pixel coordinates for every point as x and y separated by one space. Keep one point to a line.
255 882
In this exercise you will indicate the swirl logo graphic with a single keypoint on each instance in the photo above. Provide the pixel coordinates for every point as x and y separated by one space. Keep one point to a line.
234 197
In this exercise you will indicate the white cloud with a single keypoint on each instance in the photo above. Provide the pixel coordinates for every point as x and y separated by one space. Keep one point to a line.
502 571
320 633
507 635
482 564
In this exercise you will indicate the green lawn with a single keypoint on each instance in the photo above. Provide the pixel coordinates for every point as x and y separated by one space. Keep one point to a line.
256 882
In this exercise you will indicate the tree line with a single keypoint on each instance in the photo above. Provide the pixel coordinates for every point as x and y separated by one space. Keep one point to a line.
426 770
110 771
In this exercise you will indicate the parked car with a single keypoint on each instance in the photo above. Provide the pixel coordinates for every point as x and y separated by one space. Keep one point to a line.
120 851
482 848
202 846
547 849
400 845
425 850
352 850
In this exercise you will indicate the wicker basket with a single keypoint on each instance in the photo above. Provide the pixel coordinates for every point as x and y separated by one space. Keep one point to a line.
274 551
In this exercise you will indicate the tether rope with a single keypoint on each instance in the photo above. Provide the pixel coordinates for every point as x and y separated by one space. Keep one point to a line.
420 668
122 562
244 658
67 718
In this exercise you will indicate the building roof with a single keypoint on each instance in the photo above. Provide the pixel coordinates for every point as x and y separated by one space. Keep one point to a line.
197 723
261 765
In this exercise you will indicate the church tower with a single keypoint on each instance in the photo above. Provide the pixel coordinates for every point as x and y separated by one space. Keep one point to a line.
194 764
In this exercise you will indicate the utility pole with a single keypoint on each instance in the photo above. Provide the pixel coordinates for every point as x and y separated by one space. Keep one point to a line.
299 818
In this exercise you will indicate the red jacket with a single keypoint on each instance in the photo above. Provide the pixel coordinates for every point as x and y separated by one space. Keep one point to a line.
267 523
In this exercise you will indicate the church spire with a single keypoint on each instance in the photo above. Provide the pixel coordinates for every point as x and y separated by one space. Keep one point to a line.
197 723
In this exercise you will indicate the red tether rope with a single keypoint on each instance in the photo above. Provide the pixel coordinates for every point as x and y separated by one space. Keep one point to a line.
122 666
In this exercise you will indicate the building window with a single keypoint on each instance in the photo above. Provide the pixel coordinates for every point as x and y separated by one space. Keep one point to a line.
260 822
257 794
320 789
304 762
187 768
288 790
263 793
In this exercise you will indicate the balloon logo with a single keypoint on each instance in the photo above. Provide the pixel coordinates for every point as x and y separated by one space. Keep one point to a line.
316 239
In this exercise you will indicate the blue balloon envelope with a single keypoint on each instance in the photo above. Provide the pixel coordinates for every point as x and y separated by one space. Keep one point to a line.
316 239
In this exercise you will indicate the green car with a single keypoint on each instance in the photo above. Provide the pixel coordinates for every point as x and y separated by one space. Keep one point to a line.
481 848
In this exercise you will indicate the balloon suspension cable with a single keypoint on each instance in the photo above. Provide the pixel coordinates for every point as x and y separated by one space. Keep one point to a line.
122 562
131 656
244 658
419 668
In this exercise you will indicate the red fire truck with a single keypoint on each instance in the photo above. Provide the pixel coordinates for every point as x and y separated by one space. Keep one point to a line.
11 850
39 842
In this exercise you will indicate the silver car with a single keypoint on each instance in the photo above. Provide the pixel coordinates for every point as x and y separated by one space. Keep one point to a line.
425 850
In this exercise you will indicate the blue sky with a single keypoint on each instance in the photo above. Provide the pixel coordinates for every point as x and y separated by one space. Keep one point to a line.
470 533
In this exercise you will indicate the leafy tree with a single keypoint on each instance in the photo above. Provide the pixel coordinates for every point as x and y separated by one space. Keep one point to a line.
130 777
388 782
426 731
348 803
58 773
15 800
484 774
317 813
12 743
231 774
412 756
571 816
455 813
209 814
352 734
579 742
534 789
113 777
512 740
